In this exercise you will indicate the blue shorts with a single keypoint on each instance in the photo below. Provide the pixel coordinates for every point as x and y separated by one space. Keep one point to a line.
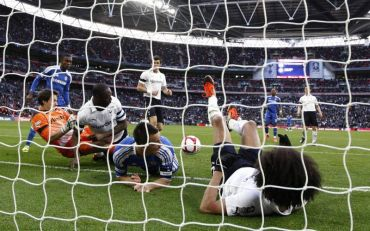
246 157
270 119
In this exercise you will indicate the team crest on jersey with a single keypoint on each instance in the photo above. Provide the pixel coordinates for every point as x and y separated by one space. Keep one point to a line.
37 124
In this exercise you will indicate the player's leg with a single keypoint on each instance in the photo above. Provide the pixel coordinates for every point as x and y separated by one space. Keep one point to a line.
305 126
30 137
220 131
234 121
160 120
274 125
314 128
267 123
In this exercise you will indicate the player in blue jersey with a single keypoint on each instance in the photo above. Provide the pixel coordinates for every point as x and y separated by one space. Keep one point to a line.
271 115
160 158
289 123
59 79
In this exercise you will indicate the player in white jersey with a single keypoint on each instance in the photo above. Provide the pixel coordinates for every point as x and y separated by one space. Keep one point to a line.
246 173
309 106
104 115
152 83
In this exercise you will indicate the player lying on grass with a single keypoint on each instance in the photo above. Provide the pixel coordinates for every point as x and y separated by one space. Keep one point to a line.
160 158
250 179
55 125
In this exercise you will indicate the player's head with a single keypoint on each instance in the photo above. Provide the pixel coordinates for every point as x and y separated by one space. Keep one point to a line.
101 96
65 62
47 99
307 91
140 134
156 62
283 167
273 91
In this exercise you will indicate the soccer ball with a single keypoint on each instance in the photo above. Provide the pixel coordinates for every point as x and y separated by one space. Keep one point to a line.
190 144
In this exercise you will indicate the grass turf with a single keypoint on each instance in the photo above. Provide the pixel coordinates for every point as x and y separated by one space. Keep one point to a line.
43 193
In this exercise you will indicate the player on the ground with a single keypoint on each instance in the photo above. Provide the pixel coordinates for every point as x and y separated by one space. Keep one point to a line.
57 78
159 155
105 117
289 123
55 125
271 115
242 172
309 107
152 83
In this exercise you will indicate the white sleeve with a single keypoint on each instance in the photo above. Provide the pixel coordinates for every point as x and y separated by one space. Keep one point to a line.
300 100
81 120
120 113
316 103
143 77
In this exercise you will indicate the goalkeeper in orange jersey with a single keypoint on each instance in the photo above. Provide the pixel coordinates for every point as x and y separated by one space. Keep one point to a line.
55 126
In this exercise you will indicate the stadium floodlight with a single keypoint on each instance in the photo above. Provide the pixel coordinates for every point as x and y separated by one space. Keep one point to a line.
158 4
169 37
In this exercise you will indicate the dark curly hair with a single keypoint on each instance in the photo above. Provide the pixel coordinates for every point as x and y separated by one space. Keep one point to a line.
140 133
283 167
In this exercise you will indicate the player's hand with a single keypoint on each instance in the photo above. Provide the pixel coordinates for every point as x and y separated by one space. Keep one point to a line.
298 114
29 97
71 122
141 188
284 140
135 178
169 92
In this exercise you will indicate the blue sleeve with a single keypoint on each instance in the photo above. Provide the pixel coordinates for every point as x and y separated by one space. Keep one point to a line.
66 92
35 83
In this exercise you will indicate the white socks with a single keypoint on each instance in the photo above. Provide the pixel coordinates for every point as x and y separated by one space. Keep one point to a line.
314 137
237 125
213 108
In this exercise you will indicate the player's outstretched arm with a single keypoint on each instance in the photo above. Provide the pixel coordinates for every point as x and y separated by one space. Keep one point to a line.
131 180
121 125
166 91
159 183
209 203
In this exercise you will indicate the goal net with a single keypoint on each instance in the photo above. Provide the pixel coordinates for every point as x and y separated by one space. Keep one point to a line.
249 47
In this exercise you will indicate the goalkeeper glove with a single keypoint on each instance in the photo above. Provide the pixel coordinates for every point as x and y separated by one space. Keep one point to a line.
71 122
284 140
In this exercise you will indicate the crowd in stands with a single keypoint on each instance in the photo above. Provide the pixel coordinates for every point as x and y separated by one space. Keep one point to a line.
334 105
51 37
103 50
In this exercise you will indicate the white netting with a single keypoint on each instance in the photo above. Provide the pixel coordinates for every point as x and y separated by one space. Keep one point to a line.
42 194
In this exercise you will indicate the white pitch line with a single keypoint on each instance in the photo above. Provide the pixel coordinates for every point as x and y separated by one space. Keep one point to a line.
176 177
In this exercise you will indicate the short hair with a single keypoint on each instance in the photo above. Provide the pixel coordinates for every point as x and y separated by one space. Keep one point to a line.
99 90
283 167
62 56
141 135
156 57
45 95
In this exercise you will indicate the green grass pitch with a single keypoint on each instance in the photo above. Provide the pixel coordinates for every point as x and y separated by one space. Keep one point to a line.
34 197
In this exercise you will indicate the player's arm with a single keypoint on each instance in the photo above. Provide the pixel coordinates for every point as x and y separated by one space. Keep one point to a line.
159 183
141 85
318 109
34 85
166 91
164 88
66 93
210 203
130 180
